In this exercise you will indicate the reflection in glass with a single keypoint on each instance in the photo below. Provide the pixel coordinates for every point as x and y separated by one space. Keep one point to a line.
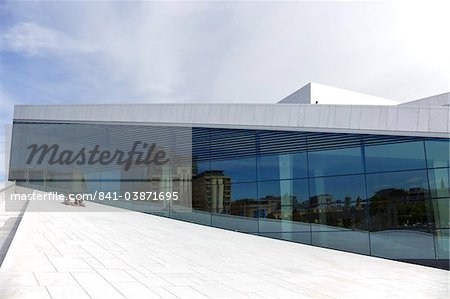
394 212
339 216
401 244
339 190
194 216
399 201
409 184
240 170
199 166
241 212
354 241
283 206
281 167
258 182
441 211
438 153
442 241
336 161
298 237
397 156
439 182
211 192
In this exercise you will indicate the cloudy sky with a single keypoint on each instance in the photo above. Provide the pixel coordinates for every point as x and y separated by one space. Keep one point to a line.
124 52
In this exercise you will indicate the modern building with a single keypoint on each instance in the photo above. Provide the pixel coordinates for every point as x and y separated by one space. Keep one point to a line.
324 166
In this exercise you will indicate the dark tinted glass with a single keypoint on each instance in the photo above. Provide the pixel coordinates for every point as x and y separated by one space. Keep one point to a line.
354 241
401 216
270 190
339 216
301 192
398 213
298 237
200 166
402 244
439 182
441 211
282 206
442 241
268 168
404 184
237 223
397 156
438 153
280 167
336 161
241 211
340 189
238 170
194 215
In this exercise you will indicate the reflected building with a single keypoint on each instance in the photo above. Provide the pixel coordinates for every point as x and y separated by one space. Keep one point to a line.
324 166
211 191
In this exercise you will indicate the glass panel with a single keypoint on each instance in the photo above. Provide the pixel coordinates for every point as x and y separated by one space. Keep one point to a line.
270 191
398 202
301 217
300 168
241 211
398 156
402 244
200 166
301 193
283 166
268 168
236 223
402 185
287 212
337 190
438 153
211 192
62 182
275 218
302 237
194 216
442 241
439 182
301 214
339 217
93 181
243 200
334 162
238 170
395 212
441 211
353 241
61 132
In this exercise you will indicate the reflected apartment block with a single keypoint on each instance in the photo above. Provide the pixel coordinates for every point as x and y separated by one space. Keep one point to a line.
211 191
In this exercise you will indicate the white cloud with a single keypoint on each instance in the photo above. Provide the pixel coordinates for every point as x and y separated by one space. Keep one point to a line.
32 39
254 52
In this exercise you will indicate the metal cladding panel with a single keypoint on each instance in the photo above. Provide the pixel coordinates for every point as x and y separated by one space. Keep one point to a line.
389 120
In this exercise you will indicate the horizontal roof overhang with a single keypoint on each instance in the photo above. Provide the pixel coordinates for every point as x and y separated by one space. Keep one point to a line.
428 121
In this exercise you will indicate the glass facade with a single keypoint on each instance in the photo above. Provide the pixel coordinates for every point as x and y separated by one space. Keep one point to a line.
386 196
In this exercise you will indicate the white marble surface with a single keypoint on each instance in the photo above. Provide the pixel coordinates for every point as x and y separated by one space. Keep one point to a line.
119 254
